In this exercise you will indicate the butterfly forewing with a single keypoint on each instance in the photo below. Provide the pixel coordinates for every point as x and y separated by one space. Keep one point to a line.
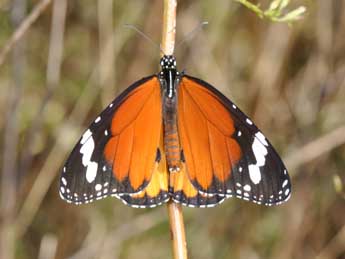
225 153
116 154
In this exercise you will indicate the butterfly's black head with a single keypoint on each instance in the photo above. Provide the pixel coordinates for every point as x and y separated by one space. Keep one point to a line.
168 62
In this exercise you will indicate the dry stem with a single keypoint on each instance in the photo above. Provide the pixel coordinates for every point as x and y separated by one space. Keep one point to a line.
178 236
23 28
169 27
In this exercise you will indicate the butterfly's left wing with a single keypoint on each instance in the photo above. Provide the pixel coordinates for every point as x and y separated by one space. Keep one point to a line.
118 154
225 153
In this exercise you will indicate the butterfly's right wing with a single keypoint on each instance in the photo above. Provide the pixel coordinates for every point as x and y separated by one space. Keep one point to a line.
225 154
117 154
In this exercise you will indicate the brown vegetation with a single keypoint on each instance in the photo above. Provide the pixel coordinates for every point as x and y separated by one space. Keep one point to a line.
69 65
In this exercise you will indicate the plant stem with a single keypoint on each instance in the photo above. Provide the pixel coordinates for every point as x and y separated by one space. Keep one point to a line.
169 27
178 236
23 28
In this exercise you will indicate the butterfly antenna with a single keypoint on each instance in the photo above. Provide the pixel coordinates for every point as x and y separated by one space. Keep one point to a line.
191 34
133 27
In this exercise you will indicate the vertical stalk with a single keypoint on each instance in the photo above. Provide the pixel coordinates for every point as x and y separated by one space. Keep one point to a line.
23 28
169 26
9 177
178 236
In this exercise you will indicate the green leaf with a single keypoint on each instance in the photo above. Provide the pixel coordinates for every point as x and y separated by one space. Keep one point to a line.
276 11
294 15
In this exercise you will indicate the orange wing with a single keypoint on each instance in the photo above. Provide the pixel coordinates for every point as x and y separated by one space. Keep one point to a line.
156 192
224 153
136 129
206 129
118 154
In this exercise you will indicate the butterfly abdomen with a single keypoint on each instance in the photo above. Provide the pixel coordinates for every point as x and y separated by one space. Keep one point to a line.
171 138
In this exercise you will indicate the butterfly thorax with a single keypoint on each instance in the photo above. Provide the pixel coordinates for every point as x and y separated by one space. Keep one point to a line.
169 79
169 76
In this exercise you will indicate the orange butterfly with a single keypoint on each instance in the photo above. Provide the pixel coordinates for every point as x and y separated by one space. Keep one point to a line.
173 136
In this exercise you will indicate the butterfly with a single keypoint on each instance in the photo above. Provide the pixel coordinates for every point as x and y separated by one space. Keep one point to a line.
171 136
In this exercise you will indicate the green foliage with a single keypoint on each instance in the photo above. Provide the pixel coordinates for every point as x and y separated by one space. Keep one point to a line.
276 11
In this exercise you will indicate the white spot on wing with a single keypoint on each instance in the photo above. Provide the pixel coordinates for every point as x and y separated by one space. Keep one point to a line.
63 180
98 187
247 188
91 171
86 150
285 183
85 136
98 119
249 121
260 151
262 138
254 174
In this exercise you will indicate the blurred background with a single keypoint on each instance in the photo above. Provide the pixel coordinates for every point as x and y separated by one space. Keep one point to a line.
77 56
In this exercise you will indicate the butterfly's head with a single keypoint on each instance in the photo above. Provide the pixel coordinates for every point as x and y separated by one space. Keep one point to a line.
168 62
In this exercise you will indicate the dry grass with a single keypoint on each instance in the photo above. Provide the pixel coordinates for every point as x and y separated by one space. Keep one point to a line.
289 79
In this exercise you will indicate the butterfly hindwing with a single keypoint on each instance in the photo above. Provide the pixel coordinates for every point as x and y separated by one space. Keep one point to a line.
116 154
156 192
225 153
184 192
